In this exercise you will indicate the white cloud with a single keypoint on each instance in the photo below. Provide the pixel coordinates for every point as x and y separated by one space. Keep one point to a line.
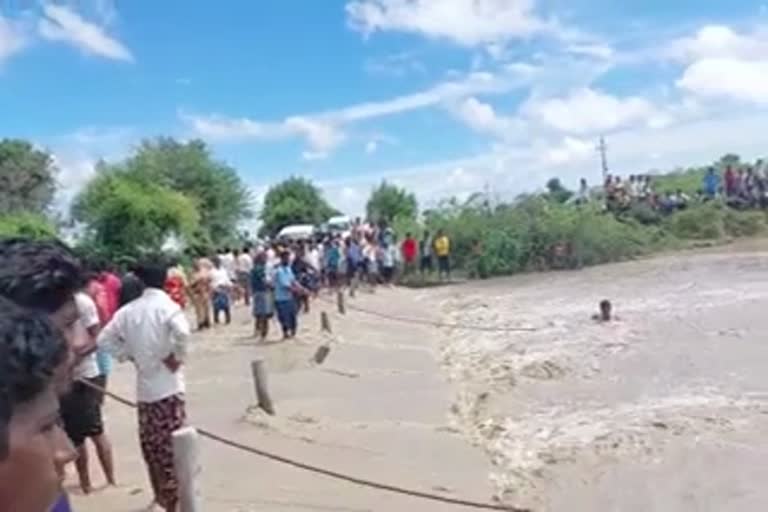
323 131
720 41
12 38
321 136
482 118
570 150
598 51
371 147
60 23
473 83
723 64
728 79
587 111
465 22
75 171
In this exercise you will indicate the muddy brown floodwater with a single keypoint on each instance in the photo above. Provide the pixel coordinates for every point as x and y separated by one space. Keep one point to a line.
663 410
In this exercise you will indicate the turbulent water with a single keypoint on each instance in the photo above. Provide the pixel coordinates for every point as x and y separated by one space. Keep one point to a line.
665 409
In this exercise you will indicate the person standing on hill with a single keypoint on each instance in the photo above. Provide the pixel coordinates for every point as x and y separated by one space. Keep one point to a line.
443 252
152 332
711 183
425 253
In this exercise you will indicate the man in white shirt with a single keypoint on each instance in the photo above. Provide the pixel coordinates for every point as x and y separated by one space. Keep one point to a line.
228 262
312 257
152 332
221 286
244 265
81 407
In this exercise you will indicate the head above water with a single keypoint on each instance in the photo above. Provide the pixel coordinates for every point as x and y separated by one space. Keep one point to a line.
33 447
606 309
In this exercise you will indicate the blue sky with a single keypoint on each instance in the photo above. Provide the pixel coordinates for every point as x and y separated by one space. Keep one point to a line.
445 97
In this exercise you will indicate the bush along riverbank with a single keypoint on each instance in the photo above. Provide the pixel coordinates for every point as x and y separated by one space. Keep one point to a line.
538 233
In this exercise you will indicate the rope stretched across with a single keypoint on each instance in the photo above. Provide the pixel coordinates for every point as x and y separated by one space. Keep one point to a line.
437 323
321 471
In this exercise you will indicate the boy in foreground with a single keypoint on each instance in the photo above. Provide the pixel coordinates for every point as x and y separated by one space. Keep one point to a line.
33 448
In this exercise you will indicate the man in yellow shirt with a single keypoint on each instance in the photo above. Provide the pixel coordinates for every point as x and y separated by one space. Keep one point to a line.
443 252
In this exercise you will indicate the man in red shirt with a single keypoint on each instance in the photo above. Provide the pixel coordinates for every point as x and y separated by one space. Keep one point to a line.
410 249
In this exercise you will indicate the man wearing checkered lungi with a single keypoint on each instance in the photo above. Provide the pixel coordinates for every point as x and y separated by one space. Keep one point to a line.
152 332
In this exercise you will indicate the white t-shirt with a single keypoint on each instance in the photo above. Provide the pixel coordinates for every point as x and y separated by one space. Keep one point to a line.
312 258
220 278
244 263
88 368
146 331
228 263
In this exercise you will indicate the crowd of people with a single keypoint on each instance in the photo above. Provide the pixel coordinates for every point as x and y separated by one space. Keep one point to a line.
278 278
736 185
64 320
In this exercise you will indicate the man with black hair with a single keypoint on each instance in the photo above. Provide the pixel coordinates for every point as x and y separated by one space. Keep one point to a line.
33 448
43 276
152 332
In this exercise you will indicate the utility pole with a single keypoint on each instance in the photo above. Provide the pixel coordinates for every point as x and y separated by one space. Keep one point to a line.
602 148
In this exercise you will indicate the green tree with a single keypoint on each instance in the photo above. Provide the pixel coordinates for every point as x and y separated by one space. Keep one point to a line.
557 192
389 202
222 198
126 215
729 159
27 177
293 201
26 224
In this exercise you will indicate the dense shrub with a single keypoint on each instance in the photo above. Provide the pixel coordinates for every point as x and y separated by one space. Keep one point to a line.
699 222
744 223
538 233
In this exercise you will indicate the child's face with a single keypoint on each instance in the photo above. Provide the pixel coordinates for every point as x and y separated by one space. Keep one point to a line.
31 475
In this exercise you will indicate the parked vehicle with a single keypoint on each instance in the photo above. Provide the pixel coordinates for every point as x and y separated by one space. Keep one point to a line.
297 232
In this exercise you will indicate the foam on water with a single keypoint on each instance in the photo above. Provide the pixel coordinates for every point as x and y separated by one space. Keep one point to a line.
574 392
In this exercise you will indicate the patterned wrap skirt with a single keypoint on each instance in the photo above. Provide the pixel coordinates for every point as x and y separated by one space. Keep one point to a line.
157 422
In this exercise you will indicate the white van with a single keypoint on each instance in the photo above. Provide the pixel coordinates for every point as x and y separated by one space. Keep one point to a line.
297 232
340 225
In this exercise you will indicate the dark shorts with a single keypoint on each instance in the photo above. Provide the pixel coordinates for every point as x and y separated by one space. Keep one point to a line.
426 264
444 264
81 413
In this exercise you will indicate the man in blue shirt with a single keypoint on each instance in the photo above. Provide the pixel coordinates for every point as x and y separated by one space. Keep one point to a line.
711 183
286 286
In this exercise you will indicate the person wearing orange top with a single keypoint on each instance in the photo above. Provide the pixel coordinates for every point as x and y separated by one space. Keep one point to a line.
176 284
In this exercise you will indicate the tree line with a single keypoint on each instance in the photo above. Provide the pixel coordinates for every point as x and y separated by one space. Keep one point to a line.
165 193
172 194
